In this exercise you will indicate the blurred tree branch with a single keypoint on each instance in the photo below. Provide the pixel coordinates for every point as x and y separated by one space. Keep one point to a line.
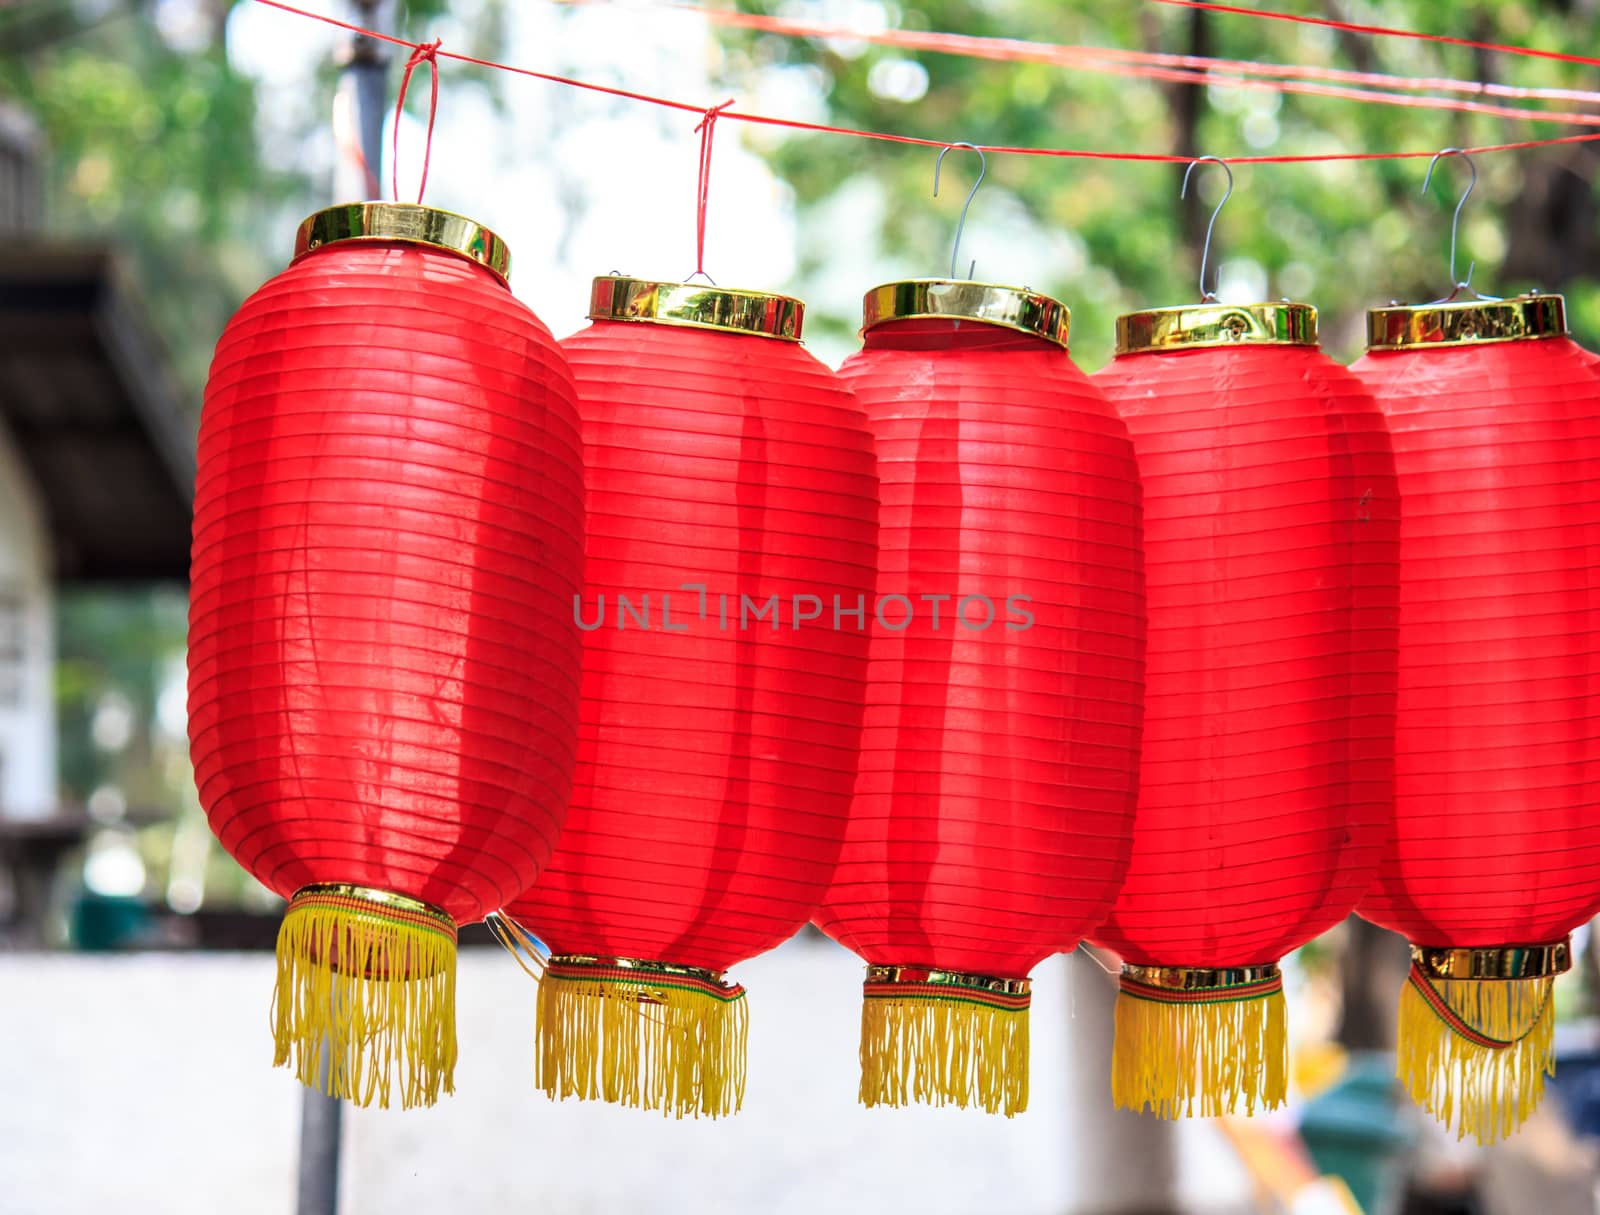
32 27
1188 103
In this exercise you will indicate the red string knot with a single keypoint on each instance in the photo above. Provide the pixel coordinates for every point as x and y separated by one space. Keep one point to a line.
711 114
424 52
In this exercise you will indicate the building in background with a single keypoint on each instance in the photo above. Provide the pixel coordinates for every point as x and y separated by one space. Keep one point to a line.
27 706
96 478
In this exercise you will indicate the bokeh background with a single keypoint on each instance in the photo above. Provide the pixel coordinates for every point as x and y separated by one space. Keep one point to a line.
155 156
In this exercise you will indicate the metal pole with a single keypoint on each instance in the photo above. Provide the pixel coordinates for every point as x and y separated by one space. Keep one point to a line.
359 106
1101 1143
358 110
321 1123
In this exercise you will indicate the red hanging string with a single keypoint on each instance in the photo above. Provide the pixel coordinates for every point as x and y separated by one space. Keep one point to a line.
425 52
1382 31
1193 69
707 129
489 63
1178 69
791 124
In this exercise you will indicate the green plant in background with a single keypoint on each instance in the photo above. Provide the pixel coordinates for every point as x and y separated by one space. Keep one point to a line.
154 141
116 658
1110 237
151 141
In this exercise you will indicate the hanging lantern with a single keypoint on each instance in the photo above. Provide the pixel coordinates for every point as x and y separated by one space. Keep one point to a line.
1266 773
993 812
1495 419
382 676
732 514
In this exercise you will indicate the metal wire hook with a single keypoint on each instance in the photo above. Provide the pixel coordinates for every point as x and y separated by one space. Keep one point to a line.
1463 284
961 224
1207 297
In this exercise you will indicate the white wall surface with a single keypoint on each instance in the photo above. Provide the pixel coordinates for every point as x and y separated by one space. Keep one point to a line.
27 694
143 1085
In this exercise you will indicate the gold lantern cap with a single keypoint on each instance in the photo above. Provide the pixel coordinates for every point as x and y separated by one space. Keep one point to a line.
696 306
1195 326
1018 308
1474 322
410 223
1211 322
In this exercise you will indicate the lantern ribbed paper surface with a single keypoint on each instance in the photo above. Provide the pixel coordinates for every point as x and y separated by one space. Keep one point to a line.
1270 547
732 507
1497 849
993 813
383 674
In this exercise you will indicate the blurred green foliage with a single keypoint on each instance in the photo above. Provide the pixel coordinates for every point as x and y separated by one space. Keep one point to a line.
152 141
1112 237
117 646
147 144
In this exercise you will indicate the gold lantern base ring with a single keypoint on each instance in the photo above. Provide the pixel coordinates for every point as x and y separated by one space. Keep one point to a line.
1197 1040
944 1037
1477 1033
655 1035
1505 963
365 995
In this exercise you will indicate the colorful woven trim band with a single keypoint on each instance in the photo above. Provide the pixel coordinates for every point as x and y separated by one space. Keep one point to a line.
641 977
952 986
373 905
1195 985
1436 1002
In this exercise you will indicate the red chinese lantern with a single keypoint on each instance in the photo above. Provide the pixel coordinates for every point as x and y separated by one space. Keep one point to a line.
382 673
732 525
1495 418
1266 774
993 811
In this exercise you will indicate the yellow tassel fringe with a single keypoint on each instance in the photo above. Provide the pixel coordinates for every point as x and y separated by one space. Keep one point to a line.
936 1050
648 1045
1477 1089
1171 1057
376 991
